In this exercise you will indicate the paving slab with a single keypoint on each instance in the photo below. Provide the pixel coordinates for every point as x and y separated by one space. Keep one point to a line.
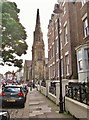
41 107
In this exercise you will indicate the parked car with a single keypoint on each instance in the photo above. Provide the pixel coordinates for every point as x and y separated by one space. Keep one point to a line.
13 94
4 115
26 89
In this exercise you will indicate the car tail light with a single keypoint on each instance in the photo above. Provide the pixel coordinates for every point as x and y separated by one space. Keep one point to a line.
20 94
2 94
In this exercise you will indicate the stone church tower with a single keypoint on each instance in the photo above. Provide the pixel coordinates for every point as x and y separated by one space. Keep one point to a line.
38 52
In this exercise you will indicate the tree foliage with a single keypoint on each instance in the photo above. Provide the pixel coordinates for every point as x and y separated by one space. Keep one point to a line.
13 34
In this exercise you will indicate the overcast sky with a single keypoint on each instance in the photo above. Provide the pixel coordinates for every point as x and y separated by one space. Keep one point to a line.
27 15
28 11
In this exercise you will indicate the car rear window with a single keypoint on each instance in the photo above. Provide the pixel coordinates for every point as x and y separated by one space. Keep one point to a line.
11 89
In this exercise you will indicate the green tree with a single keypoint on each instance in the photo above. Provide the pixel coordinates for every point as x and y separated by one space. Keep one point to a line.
13 34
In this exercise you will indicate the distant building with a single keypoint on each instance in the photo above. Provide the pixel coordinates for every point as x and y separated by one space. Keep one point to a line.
46 69
28 70
19 75
9 76
38 52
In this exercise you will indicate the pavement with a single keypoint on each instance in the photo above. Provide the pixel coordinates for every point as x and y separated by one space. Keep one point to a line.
41 107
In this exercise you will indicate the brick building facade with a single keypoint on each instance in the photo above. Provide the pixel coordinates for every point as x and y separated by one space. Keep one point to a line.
74 40
68 35
82 49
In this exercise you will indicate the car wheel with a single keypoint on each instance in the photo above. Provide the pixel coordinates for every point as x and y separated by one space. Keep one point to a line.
25 98
5 115
8 116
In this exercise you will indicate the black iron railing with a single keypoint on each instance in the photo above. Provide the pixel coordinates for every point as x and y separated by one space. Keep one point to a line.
43 83
52 90
78 91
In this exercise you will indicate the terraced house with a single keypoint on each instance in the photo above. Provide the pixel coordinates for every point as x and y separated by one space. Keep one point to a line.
74 40
82 49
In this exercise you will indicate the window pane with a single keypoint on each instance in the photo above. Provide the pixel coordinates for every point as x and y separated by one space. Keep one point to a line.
62 67
57 46
83 2
80 65
79 54
66 35
87 64
85 27
67 64
86 56
61 41
12 89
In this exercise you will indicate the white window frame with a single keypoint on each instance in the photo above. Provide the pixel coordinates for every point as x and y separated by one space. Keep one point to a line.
57 46
53 70
85 27
63 3
83 2
64 9
86 58
61 45
53 51
80 60
80 63
67 64
58 68
62 70
65 35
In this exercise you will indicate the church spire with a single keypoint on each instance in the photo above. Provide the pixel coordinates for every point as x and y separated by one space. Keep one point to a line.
38 35
38 51
38 17
37 27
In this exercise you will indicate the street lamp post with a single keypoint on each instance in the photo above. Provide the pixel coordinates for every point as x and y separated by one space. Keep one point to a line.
58 11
